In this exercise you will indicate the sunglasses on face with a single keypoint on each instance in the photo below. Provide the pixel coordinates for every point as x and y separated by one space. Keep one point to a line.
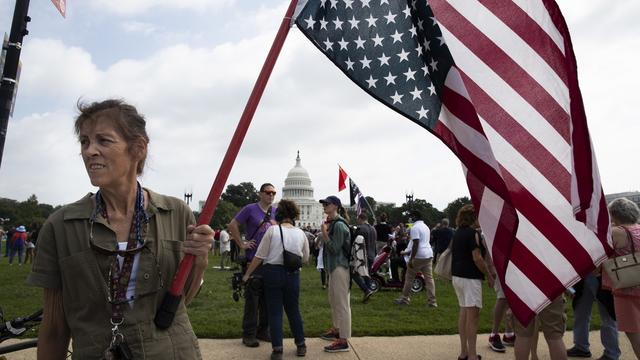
272 193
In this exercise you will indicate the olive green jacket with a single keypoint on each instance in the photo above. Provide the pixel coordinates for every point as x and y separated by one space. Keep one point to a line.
336 248
65 260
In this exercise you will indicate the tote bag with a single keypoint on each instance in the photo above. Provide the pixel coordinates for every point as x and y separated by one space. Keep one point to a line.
443 266
624 270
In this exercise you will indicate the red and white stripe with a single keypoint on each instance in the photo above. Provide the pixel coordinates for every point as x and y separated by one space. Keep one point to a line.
512 112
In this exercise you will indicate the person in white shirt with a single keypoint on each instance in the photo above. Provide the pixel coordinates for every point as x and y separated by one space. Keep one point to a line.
225 247
419 256
281 286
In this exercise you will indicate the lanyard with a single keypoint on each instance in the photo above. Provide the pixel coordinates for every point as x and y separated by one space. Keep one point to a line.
120 276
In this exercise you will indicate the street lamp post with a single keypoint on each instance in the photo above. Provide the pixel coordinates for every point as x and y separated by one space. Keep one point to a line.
9 79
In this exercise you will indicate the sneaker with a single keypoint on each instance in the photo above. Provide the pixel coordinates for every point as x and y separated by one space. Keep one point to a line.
367 296
250 342
337 346
331 335
276 355
575 352
495 344
301 350
509 340
434 305
401 301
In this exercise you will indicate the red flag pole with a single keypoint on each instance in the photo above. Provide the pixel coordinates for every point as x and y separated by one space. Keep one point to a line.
166 312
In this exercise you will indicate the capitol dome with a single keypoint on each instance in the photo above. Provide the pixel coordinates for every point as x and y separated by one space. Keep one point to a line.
297 187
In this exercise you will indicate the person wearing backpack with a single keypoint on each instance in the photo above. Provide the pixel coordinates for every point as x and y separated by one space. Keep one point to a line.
337 246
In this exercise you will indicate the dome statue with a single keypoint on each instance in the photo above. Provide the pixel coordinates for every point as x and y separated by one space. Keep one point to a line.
297 188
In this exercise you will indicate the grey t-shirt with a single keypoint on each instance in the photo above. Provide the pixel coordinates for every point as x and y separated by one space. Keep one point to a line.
369 233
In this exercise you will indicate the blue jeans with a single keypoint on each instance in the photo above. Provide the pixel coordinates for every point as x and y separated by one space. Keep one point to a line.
582 317
364 283
282 290
17 249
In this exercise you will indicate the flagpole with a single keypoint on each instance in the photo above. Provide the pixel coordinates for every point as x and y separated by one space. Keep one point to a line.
8 81
166 312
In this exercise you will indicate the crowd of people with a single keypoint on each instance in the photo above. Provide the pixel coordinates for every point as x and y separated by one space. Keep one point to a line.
20 243
103 262
415 249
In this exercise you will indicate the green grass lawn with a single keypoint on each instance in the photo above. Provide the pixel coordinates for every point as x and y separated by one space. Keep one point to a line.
214 314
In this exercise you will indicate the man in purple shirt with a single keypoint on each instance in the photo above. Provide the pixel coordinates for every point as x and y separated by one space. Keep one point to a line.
256 219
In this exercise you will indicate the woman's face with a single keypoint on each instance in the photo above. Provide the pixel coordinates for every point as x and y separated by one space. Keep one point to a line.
328 208
105 154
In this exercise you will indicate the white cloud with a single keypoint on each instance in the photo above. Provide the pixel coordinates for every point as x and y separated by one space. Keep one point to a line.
53 69
134 7
138 27
193 97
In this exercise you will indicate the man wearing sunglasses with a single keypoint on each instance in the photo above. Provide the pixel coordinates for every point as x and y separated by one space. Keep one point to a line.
256 219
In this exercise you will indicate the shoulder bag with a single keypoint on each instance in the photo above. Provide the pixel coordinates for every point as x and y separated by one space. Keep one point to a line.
443 266
292 262
624 270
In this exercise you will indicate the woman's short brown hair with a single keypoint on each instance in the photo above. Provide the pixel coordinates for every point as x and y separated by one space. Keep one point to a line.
287 209
466 216
129 123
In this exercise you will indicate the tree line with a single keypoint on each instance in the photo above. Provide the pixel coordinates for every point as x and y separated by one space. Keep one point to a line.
237 196
32 213
29 213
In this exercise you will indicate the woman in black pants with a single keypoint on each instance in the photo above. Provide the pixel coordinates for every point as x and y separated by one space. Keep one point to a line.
282 287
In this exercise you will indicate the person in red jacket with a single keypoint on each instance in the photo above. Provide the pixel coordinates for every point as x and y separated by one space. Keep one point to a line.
17 246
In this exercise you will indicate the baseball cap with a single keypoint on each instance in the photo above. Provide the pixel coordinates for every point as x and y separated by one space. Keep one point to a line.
332 200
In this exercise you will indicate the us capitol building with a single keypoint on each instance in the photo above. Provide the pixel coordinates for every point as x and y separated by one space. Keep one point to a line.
297 187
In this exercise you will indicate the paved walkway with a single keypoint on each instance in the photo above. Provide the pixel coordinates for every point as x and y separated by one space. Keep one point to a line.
372 348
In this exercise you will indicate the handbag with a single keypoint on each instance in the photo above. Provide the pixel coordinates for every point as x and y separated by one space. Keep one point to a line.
443 266
292 262
624 270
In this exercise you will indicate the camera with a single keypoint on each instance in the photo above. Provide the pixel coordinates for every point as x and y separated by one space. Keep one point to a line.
238 286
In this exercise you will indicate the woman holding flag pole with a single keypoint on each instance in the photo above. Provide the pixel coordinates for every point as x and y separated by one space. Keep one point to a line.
104 260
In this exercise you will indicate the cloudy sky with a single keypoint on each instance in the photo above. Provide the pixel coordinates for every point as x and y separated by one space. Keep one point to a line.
189 66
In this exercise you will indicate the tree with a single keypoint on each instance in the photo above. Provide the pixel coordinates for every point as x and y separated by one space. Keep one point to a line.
241 194
428 213
225 211
8 211
371 202
451 211
28 213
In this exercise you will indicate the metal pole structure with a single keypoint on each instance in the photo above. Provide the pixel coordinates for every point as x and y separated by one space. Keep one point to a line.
166 312
370 209
10 72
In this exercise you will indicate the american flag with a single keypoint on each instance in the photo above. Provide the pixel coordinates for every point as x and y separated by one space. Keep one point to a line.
496 81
